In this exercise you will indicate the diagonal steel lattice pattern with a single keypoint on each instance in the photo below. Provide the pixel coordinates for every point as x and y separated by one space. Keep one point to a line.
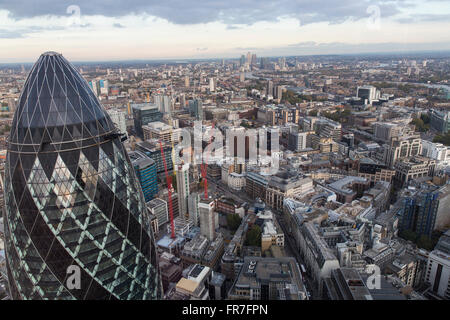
72 197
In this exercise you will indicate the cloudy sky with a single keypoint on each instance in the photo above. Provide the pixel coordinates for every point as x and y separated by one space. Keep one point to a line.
94 30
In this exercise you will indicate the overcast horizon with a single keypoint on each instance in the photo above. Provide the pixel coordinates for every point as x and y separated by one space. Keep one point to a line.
94 31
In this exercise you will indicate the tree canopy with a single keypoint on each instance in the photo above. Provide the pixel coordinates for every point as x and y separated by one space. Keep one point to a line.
253 237
233 221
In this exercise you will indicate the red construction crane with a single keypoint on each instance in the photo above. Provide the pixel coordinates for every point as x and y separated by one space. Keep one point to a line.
204 168
169 187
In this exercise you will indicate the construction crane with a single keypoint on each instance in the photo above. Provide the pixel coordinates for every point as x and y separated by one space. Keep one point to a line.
169 188
204 168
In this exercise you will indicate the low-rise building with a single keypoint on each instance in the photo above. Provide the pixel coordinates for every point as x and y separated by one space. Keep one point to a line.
268 279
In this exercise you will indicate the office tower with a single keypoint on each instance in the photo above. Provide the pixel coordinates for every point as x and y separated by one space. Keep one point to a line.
410 169
419 208
368 93
193 200
159 101
153 150
119 119
349 139
212 84
242 76
282 62
166 106
279 92
104 87
327 128
207 218
145 169
161 132
94 87
269 88
186 81
196 109
253 61
143 114
264 63
438 267
71 196
297 141
242 61
182 100
440 121
158 207
183 187
249 58
217 286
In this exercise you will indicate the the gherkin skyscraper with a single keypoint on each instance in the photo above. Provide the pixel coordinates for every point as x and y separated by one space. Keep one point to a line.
71 196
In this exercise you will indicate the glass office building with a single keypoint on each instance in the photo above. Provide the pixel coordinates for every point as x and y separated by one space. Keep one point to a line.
143 114
72 199
145 169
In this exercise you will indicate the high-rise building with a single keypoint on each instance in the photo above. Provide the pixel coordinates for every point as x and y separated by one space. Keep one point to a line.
438 267
72 199
249 58
409 169
186 81
297 141
269 89
183 187
158 207
212 84
254 59
119 119
368 93
143 114
419 209
279 92
104 87
196 109
145 169
440 121
242 60
193 200
164 103
153 150
161 131
94 87
207 218
242 76
328 128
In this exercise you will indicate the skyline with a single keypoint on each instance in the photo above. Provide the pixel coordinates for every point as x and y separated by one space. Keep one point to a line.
202 30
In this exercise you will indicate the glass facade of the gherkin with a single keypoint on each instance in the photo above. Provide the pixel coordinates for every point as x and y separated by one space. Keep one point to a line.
72 197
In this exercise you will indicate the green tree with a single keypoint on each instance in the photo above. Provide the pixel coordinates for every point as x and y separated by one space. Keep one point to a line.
408 235
253 237
420 125
313 113
233 221
425 118
425 242
444 139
